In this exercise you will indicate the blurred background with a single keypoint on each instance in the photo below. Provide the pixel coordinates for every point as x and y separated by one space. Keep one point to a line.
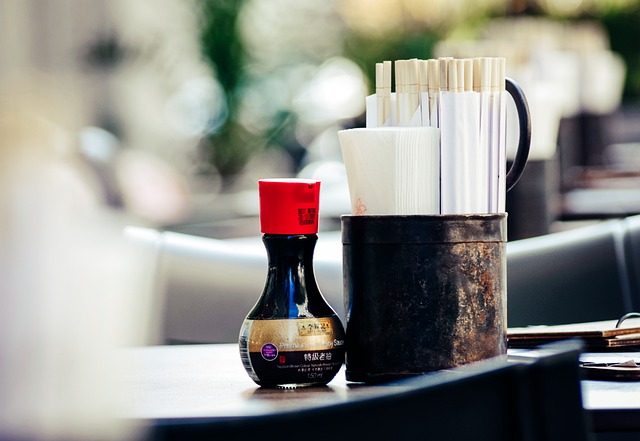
164 113
225 92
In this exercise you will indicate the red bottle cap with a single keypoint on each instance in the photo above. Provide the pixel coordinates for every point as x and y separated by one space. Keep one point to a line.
289 206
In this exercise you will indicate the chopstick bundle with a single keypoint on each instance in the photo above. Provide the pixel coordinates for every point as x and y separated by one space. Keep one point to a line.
461 191
466 100
380 107
498 89
433 85
482 84
423 89
407 94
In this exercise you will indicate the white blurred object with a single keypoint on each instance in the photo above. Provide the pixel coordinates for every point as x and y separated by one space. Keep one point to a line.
561 69
336 91
564 69
546 112
73 291
603 75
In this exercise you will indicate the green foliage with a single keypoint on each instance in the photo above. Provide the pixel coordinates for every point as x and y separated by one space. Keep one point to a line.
220 43
367 51
623 26
231 146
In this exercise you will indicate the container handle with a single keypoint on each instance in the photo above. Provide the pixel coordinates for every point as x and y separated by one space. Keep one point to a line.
524 141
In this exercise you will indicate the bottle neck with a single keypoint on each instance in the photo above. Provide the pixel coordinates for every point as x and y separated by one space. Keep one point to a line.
290 250
291 290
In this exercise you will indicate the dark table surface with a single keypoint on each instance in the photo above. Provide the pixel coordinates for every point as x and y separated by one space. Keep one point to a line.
208 381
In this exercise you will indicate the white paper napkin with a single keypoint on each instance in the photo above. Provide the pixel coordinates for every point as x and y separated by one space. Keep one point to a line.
392 170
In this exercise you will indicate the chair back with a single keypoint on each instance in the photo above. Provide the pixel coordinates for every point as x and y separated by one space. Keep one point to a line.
535 399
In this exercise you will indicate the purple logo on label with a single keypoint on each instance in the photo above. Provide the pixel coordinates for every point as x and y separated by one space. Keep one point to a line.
269 351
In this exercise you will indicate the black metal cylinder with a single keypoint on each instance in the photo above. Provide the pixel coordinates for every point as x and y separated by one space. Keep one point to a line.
423 293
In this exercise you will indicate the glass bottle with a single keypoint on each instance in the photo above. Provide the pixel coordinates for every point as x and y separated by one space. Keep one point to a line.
291 337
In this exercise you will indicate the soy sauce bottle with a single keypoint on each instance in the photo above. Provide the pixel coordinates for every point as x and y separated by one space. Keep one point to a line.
291 337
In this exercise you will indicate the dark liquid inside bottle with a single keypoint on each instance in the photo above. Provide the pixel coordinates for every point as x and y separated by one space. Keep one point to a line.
291 337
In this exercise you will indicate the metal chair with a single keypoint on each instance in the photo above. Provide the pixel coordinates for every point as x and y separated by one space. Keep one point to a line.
586 274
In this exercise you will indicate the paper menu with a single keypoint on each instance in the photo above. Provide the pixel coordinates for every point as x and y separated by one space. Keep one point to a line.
599 334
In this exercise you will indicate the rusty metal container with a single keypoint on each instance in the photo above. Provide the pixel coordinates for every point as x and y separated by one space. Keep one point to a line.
423 293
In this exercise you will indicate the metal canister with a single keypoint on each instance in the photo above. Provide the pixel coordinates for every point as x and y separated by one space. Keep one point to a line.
423 293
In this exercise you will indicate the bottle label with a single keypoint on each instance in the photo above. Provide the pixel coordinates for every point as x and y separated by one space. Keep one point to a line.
292 351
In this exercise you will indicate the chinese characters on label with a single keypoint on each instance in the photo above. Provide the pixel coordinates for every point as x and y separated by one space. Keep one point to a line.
317 356
314 328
